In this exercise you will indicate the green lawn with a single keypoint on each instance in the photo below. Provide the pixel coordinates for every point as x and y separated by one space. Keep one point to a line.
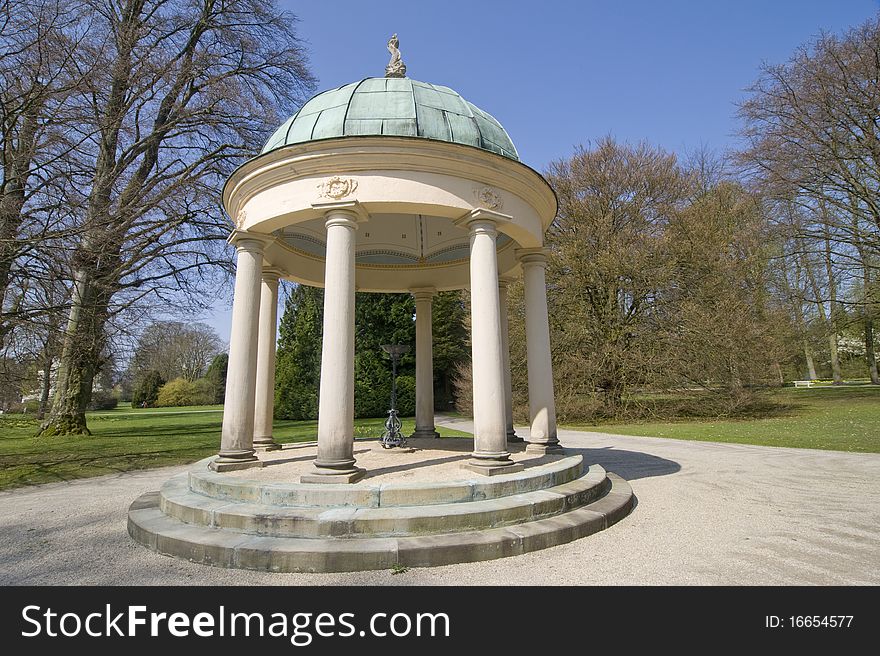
836 418
125 439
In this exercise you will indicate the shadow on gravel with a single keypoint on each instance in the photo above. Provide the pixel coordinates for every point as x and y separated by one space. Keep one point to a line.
628 464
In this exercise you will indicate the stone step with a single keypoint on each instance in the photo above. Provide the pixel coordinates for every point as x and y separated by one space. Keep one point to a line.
375 495
176 500
149 526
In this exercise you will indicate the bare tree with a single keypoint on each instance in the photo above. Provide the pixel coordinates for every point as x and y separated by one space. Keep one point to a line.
787 283
182 92
812 123
814 143
608 265
176 350
722 328
39 76
657 282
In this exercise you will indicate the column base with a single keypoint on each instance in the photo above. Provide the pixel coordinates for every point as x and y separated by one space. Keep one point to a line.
224 464
512 437
544 448
332 476
425 432
493 468
492 464
266 444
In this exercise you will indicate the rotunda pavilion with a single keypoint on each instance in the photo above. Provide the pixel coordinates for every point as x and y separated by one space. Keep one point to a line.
387 184
384 185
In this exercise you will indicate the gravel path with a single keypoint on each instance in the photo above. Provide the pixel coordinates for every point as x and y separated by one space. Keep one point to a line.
707 514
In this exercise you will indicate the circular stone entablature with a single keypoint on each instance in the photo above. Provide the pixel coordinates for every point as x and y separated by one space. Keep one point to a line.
413 162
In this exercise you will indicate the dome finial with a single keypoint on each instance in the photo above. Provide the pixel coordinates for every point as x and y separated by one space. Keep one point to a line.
396 67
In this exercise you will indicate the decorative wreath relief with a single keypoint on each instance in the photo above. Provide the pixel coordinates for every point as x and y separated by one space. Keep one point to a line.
488 198
337 187
240 219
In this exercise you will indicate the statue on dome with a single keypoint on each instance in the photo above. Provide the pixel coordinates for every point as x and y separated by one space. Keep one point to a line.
396 67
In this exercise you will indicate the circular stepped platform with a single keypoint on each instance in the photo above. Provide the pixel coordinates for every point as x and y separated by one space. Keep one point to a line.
235 521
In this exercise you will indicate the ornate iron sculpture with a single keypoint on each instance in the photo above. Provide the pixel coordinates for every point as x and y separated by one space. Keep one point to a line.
393 437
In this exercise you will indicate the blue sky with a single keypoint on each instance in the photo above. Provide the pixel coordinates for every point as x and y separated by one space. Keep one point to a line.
558 74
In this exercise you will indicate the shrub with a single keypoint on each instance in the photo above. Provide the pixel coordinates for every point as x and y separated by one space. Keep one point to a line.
29 407
103 400
178 392
204 392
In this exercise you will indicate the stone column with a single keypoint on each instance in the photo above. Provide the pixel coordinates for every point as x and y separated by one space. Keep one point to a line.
542 406
505 354
335 462
236 439
490 454
265 394
424 364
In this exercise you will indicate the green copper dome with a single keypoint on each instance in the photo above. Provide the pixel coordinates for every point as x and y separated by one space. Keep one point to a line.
397 107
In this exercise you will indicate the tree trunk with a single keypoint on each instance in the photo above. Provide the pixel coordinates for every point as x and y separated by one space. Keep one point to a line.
96 255
80 359
835 360
47 382
832 309
16 172
869 351
10 221
811 367
828 321
797 310
869 305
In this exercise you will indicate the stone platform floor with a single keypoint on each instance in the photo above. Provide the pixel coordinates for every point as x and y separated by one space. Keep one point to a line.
707 513
432 461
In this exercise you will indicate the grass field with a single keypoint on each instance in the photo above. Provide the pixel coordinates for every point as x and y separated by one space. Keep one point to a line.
126 439
835 418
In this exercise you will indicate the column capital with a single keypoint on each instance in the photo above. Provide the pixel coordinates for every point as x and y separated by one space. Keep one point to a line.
272 274
341 211
504 282
481 217
532 255
249 241
423 293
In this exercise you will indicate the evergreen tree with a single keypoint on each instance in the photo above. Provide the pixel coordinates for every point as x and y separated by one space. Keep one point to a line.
451 344
216 377
379 319
146 390
298 360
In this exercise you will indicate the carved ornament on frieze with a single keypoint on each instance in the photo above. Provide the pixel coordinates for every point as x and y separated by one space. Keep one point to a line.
337 188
